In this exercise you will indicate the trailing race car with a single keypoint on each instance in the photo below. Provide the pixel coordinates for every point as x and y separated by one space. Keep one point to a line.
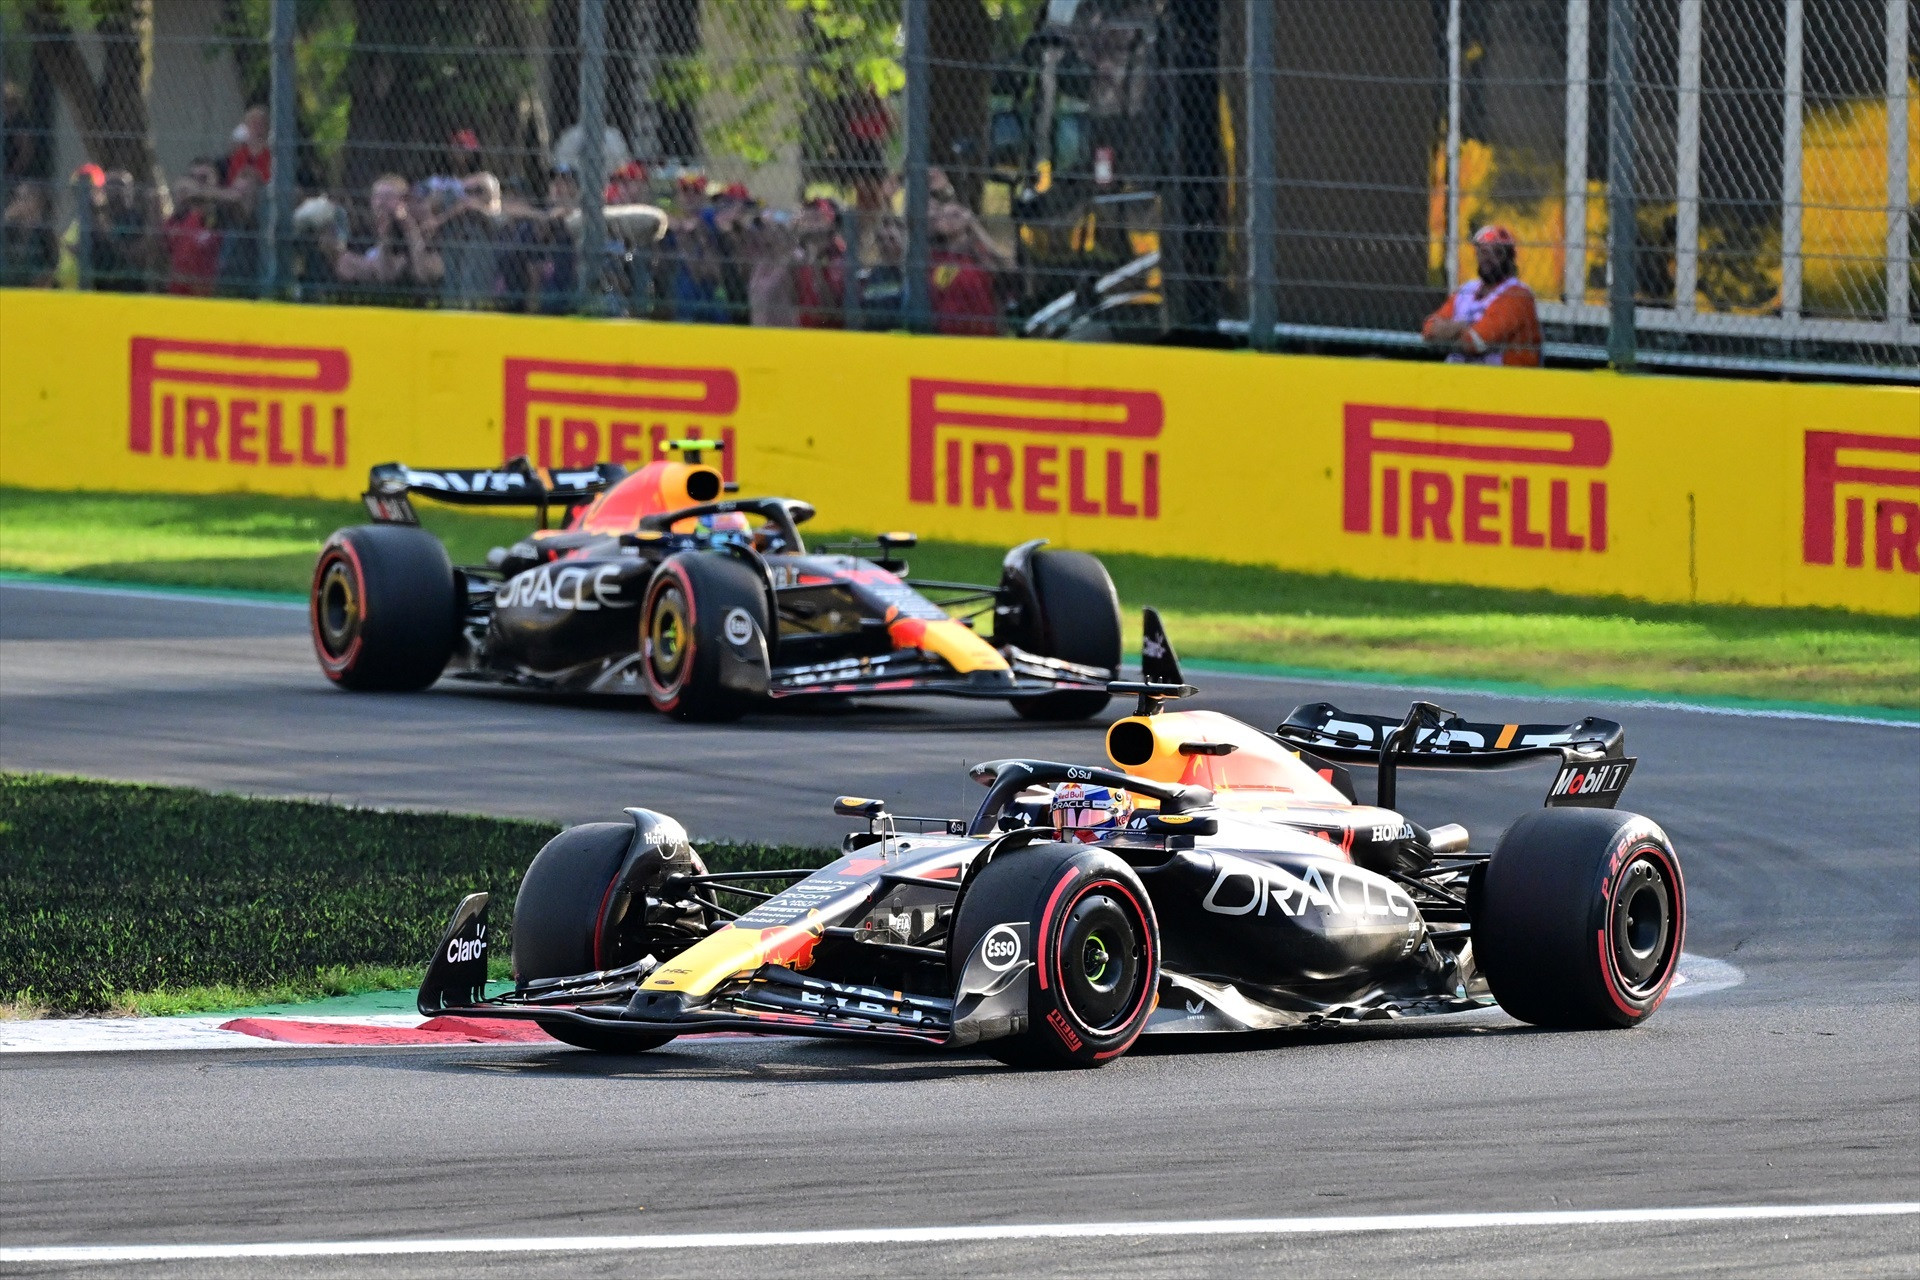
657 584
1217 878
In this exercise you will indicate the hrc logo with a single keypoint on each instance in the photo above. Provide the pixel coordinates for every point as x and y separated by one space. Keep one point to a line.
570 413
1482 480
238 402
1044 450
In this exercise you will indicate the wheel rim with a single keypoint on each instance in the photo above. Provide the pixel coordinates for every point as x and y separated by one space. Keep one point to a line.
1643 926
667 637
337 612
1101 961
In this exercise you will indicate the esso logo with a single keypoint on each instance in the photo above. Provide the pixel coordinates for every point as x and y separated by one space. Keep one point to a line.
1000 949
737 627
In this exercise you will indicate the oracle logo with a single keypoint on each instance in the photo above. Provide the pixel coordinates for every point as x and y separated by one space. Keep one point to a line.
238 402
572 413
1043 450
1471 488
1896 520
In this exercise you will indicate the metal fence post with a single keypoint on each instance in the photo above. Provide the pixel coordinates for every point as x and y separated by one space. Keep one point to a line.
593 161
917 286
283 150
1792 194
1621 180
850 268
1899 217
1573 222
1686 236
1452 242
1262 311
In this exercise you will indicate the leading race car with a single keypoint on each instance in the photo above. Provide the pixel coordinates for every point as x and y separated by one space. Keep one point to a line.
658 584
1216 878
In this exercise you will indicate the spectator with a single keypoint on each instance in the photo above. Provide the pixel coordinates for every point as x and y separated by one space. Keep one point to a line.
319 228
31 250
733 210
463 154
963 296
119 238
240 240
819 276
572 141
1490 319
463 224
193 233
693 253
250 152
538 263
398 258
770 298
883 285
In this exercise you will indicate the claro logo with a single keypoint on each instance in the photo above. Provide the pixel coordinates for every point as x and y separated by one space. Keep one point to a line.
1485 478
1843 492
238 402
566 413
1080 451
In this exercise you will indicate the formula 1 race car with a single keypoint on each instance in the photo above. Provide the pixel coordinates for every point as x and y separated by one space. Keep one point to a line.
658 584
1217 878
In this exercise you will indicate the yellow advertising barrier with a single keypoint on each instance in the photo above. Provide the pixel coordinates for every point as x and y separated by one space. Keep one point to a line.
1666 489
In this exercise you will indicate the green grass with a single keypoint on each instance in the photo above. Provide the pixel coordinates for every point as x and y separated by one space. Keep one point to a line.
122 898
1230 613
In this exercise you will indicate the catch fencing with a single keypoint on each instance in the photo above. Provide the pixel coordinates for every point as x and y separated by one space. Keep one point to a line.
1724 184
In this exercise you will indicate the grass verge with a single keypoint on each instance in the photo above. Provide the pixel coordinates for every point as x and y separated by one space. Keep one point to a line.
1232 613
137 899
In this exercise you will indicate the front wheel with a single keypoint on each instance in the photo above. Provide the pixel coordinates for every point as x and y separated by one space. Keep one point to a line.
1077 620
703 637
1096 951
1580 918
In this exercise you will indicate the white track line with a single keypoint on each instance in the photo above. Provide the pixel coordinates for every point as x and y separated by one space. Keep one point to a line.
935 1235
1198 666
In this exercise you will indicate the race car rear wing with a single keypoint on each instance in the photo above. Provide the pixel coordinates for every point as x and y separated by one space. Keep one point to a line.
1594 767
517 483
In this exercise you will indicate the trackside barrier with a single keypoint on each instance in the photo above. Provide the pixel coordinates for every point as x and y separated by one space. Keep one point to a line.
1668 489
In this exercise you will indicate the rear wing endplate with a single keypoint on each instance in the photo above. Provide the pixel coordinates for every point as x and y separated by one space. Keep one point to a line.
516 483
1594 767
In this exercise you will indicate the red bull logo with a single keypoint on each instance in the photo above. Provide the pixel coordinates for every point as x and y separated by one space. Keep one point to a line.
570 413
1492 479
238 402
1846 476
1044 450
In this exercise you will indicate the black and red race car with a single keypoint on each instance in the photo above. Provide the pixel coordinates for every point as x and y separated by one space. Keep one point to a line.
659 583
1212 878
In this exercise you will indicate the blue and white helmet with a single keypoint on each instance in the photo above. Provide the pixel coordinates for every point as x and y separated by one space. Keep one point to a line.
1086 813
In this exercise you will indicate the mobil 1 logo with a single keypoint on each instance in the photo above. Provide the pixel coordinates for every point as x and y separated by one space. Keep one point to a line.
1594 784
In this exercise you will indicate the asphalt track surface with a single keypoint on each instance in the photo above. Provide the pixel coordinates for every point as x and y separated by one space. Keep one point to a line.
1800 839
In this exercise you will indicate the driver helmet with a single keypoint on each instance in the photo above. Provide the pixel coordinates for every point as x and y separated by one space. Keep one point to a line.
726 523
1086 813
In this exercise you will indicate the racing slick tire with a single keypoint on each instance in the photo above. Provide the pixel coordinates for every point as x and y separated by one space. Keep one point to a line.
558 923
1079 621
1579 918
384 609
1096 951
693 613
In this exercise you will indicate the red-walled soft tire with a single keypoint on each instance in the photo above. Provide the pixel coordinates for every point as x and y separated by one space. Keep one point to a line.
1096 945
1580 918
690 600
384 610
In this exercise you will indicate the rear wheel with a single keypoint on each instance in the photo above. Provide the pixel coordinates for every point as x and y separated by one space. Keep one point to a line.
560 924
1078 621
385 608
1096 951
701 613
1580 918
